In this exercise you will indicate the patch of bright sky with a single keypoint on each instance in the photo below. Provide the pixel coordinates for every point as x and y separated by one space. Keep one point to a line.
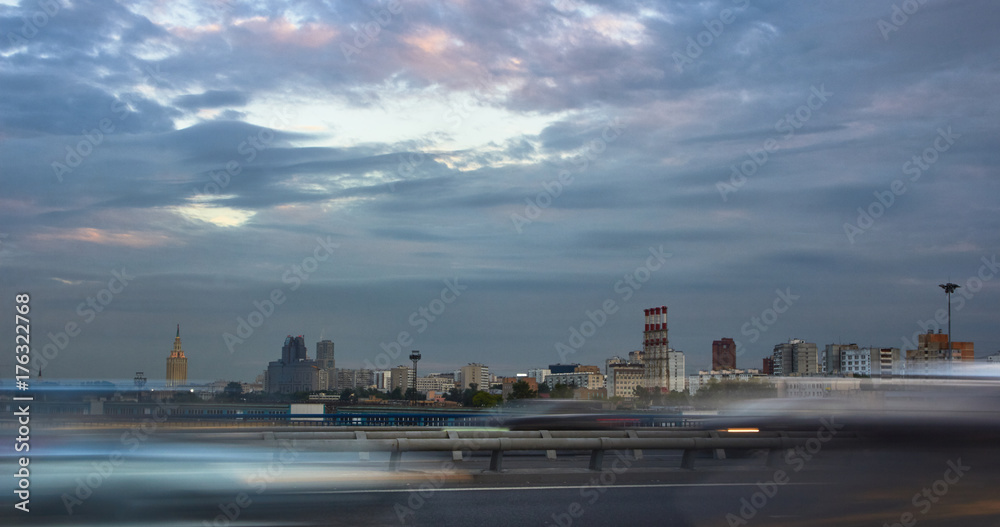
432 118
219 216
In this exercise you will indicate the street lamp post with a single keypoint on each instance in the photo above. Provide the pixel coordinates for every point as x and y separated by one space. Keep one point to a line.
949 288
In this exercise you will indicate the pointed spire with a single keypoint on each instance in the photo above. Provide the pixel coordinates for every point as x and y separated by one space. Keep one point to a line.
178 331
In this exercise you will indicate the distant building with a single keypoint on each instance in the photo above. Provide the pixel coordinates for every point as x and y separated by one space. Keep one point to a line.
539 373
325 359
813 387
874 362
435 382
589 380
795 357
382 379
932 355
563 368
724 354
477 374
294 372
696 382
831 357
655 345
623 377
676 369
509 382
177 363
354 379
402 378
768 366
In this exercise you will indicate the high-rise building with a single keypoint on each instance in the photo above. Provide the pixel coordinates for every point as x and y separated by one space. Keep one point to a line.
402 378
354 379
294 372
655 345
932 354
724 354
795 357
324 357
479 375
623 378
177 363
832 357
768 366
675 368
874 362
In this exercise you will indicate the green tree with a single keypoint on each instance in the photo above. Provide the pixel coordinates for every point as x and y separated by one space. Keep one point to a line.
396 394
522 390
486 400
562 391
233 391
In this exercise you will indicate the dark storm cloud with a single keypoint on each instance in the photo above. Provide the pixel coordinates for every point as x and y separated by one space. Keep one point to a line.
211 99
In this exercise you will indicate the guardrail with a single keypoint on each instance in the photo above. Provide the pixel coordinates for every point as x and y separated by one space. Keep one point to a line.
497 443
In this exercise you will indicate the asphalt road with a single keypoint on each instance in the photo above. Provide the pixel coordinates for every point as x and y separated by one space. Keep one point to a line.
167 483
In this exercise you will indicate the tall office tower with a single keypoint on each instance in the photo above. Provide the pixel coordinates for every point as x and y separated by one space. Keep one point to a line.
795 357
677 368
294 372
324 356
294 350
177 363
655 346
831 360
724 354
477 374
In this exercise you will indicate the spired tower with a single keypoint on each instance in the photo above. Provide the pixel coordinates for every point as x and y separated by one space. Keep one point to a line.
177 363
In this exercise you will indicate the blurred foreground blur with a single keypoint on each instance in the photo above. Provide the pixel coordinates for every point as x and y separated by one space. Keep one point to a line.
920 453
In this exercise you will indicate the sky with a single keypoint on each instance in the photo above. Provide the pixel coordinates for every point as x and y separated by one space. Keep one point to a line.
506 182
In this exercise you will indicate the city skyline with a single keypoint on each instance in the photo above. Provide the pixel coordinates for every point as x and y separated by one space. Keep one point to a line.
489 180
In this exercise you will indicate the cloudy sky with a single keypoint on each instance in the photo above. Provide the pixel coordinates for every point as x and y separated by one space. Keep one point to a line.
490 177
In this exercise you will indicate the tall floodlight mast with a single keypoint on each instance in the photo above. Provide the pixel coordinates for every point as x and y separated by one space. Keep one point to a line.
949 288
